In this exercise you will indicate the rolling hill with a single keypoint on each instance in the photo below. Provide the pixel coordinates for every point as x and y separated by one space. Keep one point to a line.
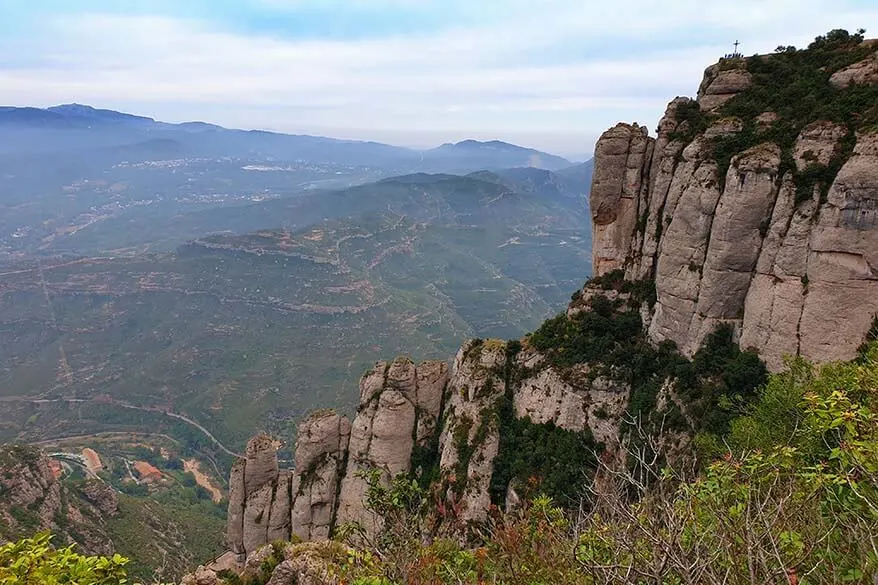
242 331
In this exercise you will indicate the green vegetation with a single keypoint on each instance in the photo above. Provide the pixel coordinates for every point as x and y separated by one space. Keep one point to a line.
693 122
143 526
601 335
790 497
541 458
256 330
33 561
609 337
795 85
720 380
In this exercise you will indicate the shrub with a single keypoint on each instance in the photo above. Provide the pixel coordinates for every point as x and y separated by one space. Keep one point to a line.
795 85
34 561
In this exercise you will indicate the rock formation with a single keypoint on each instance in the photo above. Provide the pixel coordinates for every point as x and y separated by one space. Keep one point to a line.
720 85
470 438
33 499
863 72
252 487
726 218
793 275
321 449
399 411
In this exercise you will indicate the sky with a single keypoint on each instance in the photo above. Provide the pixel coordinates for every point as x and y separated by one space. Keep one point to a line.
550 74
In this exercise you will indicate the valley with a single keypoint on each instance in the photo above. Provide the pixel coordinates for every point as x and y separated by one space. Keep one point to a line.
161 302
241 330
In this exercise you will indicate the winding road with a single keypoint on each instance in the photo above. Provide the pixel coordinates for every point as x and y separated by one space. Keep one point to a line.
121 404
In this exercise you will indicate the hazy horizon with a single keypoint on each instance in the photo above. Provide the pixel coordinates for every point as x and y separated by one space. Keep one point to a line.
551 75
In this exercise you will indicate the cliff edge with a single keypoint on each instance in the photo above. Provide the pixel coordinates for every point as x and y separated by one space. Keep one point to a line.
756 206
744 232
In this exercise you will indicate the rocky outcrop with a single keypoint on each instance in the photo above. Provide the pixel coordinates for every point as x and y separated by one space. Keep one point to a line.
721 83
575 400
307 563
399 410
399 407
33 499
619 161
201 576
279 517
864 72
793 272
841 294
235 514
321 450
470 438
252 490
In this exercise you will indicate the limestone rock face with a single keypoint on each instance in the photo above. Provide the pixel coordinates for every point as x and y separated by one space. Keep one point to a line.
432 379
721 85
279 513
724 127
399 407
653 200
381 434
201 576
252 489
842 289
864 72
261 456
791 272
735 241
235 515
691 202
620 158
321 449
575 402
817 144
257 513
470 440
766 119
776 296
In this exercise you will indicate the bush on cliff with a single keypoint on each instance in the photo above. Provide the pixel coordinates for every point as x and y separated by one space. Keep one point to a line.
794 84
791 498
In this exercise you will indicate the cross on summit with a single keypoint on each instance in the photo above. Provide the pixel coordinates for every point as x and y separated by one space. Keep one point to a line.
735 54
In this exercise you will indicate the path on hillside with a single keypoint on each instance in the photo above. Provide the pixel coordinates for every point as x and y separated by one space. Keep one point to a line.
122 404
178 416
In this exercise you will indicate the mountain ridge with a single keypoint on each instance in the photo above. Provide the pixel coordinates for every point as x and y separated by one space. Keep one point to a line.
84 117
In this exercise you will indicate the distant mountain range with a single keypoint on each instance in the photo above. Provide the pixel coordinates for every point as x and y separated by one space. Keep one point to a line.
84 128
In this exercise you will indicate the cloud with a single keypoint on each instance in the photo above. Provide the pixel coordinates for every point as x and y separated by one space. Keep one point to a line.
554 71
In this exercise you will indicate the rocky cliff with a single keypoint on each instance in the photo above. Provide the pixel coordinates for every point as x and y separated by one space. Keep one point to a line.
426 420
749 221
32 499
753 206
398 415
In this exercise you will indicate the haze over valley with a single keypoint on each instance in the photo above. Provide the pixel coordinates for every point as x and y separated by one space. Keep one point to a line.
438 292
243 278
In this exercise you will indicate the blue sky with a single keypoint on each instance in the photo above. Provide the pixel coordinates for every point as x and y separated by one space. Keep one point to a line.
546 73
